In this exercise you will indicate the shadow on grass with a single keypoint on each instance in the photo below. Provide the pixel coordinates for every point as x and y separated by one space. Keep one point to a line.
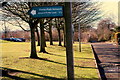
5 73
45 59
65 56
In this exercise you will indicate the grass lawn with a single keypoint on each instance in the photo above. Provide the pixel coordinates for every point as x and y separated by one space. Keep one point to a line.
52 67
3 41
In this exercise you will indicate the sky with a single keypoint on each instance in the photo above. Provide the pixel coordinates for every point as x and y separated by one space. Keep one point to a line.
109 9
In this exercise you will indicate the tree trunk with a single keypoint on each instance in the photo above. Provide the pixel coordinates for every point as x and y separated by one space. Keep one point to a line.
38 36
64 36
50 34
33 44
58 29
42 41
5 34
59 37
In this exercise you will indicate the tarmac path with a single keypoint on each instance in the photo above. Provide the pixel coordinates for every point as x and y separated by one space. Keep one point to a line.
108 60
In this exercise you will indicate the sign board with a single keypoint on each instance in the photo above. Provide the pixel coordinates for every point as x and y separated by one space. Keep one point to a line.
46 12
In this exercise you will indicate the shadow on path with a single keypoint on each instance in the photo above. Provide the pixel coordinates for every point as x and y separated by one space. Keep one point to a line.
107 57
101 70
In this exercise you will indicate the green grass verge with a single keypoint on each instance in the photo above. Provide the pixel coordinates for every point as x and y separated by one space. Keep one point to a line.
52 68
4 41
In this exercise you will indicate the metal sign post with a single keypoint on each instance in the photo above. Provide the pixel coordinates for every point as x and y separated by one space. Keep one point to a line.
69 41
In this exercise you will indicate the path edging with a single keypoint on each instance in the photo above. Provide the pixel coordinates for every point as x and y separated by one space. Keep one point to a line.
96 62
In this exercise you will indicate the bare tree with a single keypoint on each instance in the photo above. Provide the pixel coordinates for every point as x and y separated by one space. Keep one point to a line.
59 27
104 29
48 29
85 13
6 30
20 10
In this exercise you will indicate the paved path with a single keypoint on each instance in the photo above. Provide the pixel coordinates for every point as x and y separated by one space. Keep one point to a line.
108 60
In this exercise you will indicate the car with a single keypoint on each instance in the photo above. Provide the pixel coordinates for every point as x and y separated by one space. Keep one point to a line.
15 39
